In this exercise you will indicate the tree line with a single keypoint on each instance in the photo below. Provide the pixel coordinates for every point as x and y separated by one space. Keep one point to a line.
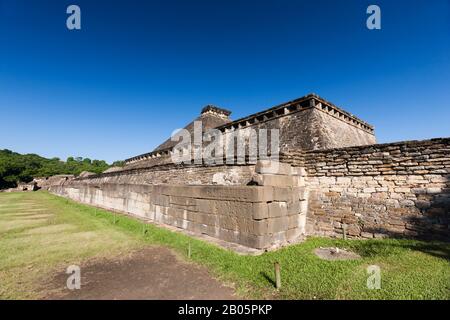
16 167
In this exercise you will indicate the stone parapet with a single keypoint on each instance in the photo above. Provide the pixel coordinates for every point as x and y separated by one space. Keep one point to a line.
260 217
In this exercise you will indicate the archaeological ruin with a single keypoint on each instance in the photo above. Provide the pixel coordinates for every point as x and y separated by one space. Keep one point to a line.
330 178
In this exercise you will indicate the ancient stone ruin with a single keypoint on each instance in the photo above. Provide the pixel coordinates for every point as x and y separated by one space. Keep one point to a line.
330 179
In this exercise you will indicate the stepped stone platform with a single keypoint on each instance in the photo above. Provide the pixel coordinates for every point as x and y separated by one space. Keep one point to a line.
330 179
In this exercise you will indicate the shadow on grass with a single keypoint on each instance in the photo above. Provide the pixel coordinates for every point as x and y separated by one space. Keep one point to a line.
387 247
268 278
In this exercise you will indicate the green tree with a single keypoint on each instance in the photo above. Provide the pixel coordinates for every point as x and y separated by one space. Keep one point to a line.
15 167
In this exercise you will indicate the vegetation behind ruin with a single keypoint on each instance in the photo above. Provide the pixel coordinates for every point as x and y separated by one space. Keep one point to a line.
16 167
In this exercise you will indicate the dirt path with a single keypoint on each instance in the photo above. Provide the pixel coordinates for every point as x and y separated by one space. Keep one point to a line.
152 273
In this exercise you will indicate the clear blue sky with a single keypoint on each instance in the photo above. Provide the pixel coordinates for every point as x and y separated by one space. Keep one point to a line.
140 69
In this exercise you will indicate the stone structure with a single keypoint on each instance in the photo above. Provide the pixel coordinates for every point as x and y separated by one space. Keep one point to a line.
307 123
398 189
331 178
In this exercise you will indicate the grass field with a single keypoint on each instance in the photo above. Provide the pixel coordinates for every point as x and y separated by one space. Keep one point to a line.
39 232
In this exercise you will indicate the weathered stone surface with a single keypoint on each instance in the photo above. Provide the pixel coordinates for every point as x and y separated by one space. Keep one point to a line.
277 209
274 180
272 167
390 203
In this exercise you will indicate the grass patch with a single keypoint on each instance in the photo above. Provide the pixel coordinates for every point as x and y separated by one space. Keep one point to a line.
39 233
409 269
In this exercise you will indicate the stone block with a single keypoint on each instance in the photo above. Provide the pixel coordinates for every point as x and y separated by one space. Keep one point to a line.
253 227
161 200
283 194
236 193
403 190
234 208
272 167
260 210
205 218
353 230
293 207
228 222
367 235
273 180
343 180
183 201
205 205
434 190
298 171
277 209
294 221
278 224
176 212
293 234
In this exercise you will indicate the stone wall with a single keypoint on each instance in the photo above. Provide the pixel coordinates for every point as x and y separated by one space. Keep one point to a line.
397 189
179 175
269 214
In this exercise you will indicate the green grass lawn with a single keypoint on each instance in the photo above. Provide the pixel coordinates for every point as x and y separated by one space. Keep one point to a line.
39 232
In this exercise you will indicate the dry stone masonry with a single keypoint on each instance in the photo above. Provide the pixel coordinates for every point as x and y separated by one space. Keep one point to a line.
398 189
331 179
264 216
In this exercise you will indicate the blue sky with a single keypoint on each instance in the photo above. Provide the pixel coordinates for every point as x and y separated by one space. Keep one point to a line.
137 70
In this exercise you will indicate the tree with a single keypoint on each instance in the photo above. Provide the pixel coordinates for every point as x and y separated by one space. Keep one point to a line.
15 167
118 163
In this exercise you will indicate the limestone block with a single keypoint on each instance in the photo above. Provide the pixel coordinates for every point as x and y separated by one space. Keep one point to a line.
231 236
278 224
258 242
282 193
228 222
278 238
234 208
293 234
260 210
176 212
226 178
235 193
204 218
253 227
293 207
353 230
407 203
294 221
277 209
273 180
272 167
184 201
205 205
367 235
298 171
434 190
344 180
302 223
159 199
